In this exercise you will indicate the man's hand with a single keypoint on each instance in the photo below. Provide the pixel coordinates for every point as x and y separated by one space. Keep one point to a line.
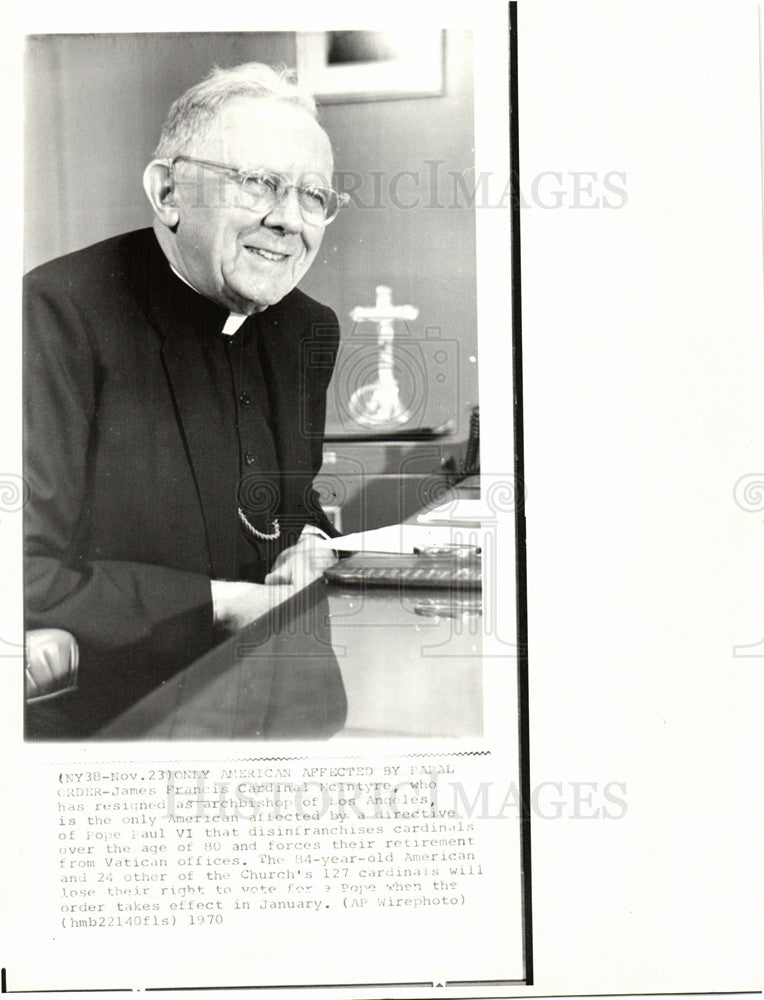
303 563
236 604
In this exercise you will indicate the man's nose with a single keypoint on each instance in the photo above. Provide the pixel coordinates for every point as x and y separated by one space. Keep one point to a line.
285 213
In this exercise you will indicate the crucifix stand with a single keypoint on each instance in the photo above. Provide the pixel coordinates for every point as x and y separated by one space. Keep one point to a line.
380 402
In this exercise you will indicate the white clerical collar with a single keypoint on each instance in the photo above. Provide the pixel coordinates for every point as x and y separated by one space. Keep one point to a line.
234 320
233 323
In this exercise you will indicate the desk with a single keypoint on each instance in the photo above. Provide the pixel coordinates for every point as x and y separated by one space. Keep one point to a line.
330 661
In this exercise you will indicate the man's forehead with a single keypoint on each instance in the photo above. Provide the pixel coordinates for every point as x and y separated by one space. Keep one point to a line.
255 131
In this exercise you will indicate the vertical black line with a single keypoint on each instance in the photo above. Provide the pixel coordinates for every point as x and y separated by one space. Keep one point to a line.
3 984
520 555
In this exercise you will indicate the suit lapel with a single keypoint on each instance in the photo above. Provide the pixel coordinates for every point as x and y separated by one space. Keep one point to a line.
280 354
188 326
209 434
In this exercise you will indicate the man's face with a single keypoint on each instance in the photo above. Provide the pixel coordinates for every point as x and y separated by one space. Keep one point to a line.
243 259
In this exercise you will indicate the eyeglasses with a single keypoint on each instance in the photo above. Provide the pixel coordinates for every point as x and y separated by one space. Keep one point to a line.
264 189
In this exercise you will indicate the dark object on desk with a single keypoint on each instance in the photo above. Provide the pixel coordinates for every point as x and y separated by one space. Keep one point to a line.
389 570
395 434
471 465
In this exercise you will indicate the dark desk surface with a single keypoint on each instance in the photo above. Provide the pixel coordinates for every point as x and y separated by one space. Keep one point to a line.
331 660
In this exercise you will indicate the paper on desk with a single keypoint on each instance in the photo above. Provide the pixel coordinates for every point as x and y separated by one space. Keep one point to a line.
402 538
460 509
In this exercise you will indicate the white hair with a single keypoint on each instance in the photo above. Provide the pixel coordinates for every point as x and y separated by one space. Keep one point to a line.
191 113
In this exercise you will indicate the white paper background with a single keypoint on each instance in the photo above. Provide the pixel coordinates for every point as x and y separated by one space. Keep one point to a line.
644 365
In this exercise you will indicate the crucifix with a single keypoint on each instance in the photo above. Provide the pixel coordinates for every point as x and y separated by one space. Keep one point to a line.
380 402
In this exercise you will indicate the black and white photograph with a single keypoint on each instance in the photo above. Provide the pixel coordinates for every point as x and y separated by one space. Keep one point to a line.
381 500
251 327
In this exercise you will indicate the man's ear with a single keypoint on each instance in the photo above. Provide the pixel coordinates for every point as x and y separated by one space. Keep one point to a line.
159 188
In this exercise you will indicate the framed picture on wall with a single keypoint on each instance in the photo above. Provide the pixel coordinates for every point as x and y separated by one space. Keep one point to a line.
348 66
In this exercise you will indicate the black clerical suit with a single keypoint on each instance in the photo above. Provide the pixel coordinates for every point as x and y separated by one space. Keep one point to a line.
146 428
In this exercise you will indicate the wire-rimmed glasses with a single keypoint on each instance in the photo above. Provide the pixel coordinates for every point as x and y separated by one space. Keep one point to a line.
319 205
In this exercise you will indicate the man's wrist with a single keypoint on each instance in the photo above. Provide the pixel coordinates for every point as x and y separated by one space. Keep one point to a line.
224 593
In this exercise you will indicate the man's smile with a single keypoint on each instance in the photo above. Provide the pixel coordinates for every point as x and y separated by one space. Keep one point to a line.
267 254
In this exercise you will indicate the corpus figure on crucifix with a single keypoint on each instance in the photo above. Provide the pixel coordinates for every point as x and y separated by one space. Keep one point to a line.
380 402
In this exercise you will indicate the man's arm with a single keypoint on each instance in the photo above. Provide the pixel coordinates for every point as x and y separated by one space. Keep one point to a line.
105 603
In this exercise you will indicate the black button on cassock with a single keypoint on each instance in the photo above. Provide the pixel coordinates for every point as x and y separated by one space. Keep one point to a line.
249 457
244 399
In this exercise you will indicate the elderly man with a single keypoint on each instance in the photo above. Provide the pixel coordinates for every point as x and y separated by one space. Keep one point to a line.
175 392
